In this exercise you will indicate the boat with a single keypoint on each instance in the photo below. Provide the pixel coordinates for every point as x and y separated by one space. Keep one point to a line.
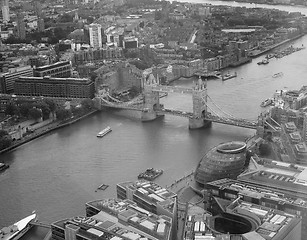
264 61
104 132
3 166
267 102
18 229
228 76
150 174
280 74
103 187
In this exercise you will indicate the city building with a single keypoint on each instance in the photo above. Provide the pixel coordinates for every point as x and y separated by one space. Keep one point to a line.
247 221
5 11
8 79
287 178
226 160
262 195
238 220
55 87
59 69
113 220
119 77
21 26
95 32
130 42
151 197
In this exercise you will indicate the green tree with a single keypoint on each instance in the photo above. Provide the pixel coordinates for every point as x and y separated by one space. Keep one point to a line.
11 109
5 139
52 105
24 109
87 104
44 107
35 113
62 114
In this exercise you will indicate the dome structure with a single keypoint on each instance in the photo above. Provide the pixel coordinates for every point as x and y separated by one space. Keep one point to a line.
226 160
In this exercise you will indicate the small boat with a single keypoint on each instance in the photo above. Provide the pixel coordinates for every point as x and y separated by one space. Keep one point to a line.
280 74
150 174
228 76
104 132
264 61
3 167
18 229
267 102
103 187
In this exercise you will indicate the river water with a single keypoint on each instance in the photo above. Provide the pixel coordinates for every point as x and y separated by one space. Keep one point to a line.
59 172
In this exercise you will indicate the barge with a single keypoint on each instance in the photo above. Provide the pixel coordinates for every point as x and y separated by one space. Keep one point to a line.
150 174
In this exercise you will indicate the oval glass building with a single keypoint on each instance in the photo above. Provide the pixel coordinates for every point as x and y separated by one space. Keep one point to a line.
226 160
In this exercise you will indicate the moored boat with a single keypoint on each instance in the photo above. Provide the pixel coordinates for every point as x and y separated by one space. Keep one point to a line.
150 174
18 229
267 102
229 76
3 166
104 132
264 61
277 75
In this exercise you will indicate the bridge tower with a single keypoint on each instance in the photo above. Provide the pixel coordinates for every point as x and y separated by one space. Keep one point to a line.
151 98
199 97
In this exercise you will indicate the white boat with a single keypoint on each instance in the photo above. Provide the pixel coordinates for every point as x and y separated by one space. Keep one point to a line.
280 74
104 132
229 76
267 102
18 229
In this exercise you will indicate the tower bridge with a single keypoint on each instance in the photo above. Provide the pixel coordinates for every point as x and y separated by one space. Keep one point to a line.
204 109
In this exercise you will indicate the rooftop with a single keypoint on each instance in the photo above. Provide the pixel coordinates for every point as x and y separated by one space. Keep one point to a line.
114 210
152 192
259 192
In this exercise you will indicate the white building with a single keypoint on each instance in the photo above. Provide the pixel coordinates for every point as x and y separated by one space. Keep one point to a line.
5 13
95 35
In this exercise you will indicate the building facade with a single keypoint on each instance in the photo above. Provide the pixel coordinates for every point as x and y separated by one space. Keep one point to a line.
55 87
95 33
8 79
5 11
113 219
151 197
21 26
59 69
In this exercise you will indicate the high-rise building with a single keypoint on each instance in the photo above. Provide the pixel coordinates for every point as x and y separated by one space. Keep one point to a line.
40 24
95 35
5 11
21 26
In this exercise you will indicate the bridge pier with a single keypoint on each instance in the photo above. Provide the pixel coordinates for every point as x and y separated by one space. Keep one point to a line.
195 123
148 116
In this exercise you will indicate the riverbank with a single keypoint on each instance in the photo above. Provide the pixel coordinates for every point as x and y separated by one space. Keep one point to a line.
257 52
44 130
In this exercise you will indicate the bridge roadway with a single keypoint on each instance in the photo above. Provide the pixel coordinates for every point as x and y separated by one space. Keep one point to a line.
234 122
168 89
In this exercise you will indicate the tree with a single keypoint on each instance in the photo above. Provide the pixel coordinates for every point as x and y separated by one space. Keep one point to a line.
52 105
24 109
62 114
35 113
44 107
11 109
87 104
5 139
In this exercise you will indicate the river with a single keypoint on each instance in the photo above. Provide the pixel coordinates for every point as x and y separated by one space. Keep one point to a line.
57 173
